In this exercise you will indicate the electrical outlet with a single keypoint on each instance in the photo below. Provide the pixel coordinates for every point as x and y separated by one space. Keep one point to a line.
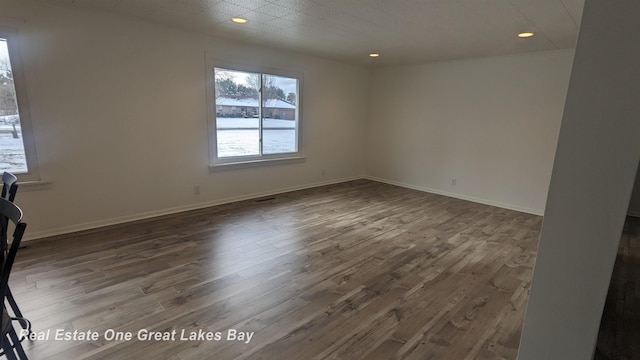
323 171
196 189
454 182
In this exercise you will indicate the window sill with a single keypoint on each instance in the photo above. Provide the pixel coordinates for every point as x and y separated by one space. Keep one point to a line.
34 185
256 163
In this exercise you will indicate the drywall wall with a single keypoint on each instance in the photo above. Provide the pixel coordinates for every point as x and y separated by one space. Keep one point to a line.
593 175
120 118
491 124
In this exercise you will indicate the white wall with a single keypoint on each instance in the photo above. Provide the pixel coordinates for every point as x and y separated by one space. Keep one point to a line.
119 114
593 175
492 124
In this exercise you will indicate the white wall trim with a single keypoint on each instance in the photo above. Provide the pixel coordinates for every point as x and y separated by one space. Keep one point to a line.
460 196
174 210
35 185
255 163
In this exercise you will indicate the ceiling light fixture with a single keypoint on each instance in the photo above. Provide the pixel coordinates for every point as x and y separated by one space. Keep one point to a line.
374 55
239 20
525 34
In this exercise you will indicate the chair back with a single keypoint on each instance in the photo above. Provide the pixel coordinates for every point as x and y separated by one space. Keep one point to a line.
9 186
9 190
9 212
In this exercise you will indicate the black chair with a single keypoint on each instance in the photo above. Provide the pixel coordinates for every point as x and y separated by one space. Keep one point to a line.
9 190
9 341
9 186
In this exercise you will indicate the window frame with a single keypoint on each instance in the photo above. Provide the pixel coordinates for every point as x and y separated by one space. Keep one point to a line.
235 162
11 35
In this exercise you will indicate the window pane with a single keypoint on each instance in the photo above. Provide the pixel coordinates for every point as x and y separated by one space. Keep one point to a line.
279 112
237 123
12 154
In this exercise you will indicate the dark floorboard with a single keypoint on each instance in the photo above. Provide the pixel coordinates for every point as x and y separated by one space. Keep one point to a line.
619 337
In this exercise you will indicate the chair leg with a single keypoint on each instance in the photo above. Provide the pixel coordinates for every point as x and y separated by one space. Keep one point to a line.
17 345
26 324
7 348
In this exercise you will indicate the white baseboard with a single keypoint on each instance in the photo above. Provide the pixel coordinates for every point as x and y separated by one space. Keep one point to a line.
173 210
460 196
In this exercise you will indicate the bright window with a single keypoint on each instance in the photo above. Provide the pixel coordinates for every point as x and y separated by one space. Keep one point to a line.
17 149
257 116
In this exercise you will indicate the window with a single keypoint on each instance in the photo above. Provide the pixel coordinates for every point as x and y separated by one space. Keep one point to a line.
257 116
17 149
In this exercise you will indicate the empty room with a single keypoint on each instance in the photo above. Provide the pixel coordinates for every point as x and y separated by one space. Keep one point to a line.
319 179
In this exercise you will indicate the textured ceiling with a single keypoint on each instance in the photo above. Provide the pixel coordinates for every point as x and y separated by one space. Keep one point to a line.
402 31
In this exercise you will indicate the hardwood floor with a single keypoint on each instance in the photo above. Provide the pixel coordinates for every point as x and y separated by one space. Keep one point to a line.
620 324
358 270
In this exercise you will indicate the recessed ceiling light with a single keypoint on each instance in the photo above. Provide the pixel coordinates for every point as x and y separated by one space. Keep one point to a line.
374 55
525 34
239 20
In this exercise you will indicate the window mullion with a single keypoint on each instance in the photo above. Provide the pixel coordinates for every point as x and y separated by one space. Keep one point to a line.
260 114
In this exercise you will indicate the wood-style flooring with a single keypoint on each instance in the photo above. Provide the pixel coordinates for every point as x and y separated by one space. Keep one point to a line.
620 324
357 270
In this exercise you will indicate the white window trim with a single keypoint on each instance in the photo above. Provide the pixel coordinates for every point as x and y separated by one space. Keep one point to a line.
239 162
15 57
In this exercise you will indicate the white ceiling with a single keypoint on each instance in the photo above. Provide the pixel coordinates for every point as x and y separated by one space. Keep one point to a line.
403 31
